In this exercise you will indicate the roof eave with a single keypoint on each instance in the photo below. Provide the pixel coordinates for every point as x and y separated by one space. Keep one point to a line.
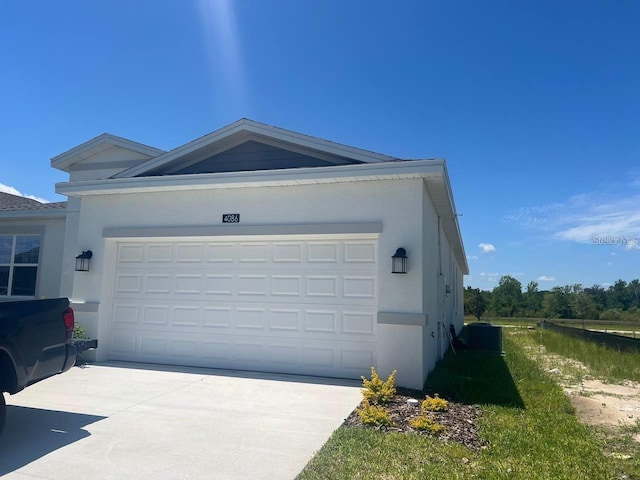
33 214
296 176
68 158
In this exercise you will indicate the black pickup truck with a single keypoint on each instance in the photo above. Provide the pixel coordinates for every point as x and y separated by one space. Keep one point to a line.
36 342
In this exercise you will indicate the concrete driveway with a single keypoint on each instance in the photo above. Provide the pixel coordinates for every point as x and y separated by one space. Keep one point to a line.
122 420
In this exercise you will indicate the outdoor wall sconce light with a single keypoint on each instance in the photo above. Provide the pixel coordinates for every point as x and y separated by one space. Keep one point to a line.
83 261
399 261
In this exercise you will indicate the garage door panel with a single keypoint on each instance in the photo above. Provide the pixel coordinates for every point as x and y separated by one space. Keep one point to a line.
157 283
154 346
250 318
124 315
161 253
220 253
219 285
359 323
297 357
359 287
128 283
282 319
189 253
252 253
360 252
287 253
155 314
324 252
160 315
320 321
217 317
251 285
296 306
130 253
286 285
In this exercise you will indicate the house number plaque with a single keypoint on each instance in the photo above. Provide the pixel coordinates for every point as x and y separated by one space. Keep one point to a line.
230 218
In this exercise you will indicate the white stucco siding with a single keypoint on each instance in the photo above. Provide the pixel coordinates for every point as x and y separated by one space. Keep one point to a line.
51 259
430 277
52 232
396 204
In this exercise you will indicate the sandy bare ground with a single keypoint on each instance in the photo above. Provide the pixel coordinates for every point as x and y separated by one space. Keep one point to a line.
596 402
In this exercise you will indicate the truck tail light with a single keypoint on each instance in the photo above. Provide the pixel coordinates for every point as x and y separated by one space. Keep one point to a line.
69 323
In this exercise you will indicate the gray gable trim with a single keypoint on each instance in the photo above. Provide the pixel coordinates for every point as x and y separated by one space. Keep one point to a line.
98 144
240 132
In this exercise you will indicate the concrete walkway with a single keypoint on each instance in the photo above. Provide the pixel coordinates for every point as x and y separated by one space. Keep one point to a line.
122 420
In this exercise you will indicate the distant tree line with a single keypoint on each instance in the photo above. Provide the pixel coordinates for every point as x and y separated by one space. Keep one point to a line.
621 301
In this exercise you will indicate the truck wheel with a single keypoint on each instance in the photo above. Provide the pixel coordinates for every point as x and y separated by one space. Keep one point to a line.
3 411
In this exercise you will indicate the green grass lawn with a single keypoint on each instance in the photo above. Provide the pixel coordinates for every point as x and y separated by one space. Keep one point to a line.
604 363
527 423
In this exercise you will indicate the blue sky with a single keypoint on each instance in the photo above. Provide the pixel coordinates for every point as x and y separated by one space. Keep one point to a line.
533 104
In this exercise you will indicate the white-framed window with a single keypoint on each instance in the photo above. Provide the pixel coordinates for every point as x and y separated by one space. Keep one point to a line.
19 257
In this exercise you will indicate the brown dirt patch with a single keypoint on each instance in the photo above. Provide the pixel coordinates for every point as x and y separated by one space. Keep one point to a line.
460 419
596 402
599 403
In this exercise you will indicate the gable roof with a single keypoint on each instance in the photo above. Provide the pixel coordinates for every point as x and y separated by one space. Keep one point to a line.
98 144
244 131
226 158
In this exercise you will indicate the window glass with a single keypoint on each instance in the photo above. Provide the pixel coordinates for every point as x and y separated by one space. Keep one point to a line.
4 280
27 249
6 244
24 281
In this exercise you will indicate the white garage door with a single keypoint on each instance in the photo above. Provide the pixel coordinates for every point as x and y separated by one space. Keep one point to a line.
294 306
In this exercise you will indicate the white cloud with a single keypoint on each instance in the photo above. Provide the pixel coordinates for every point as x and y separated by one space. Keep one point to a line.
590 218
546 278
487 247
472 257
632 244
495 276
13 191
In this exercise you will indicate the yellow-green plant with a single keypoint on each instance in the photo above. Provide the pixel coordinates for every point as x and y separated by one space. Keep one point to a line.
374 415
79 332
427 423
435 404
378 391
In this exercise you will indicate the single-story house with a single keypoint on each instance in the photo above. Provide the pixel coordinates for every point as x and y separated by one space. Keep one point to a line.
31 239
259 248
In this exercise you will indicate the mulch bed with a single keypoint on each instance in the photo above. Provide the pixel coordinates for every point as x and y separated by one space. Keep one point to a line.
460 420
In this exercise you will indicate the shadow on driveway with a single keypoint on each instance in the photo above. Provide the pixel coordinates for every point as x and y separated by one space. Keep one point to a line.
221 372
32 433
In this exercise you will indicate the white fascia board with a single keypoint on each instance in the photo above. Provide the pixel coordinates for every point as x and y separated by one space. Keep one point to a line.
261 129
293 176
84 150
452 227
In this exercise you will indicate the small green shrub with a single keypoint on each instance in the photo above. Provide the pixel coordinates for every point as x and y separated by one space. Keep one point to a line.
374 415
378 391
434 404
427 423
79 332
